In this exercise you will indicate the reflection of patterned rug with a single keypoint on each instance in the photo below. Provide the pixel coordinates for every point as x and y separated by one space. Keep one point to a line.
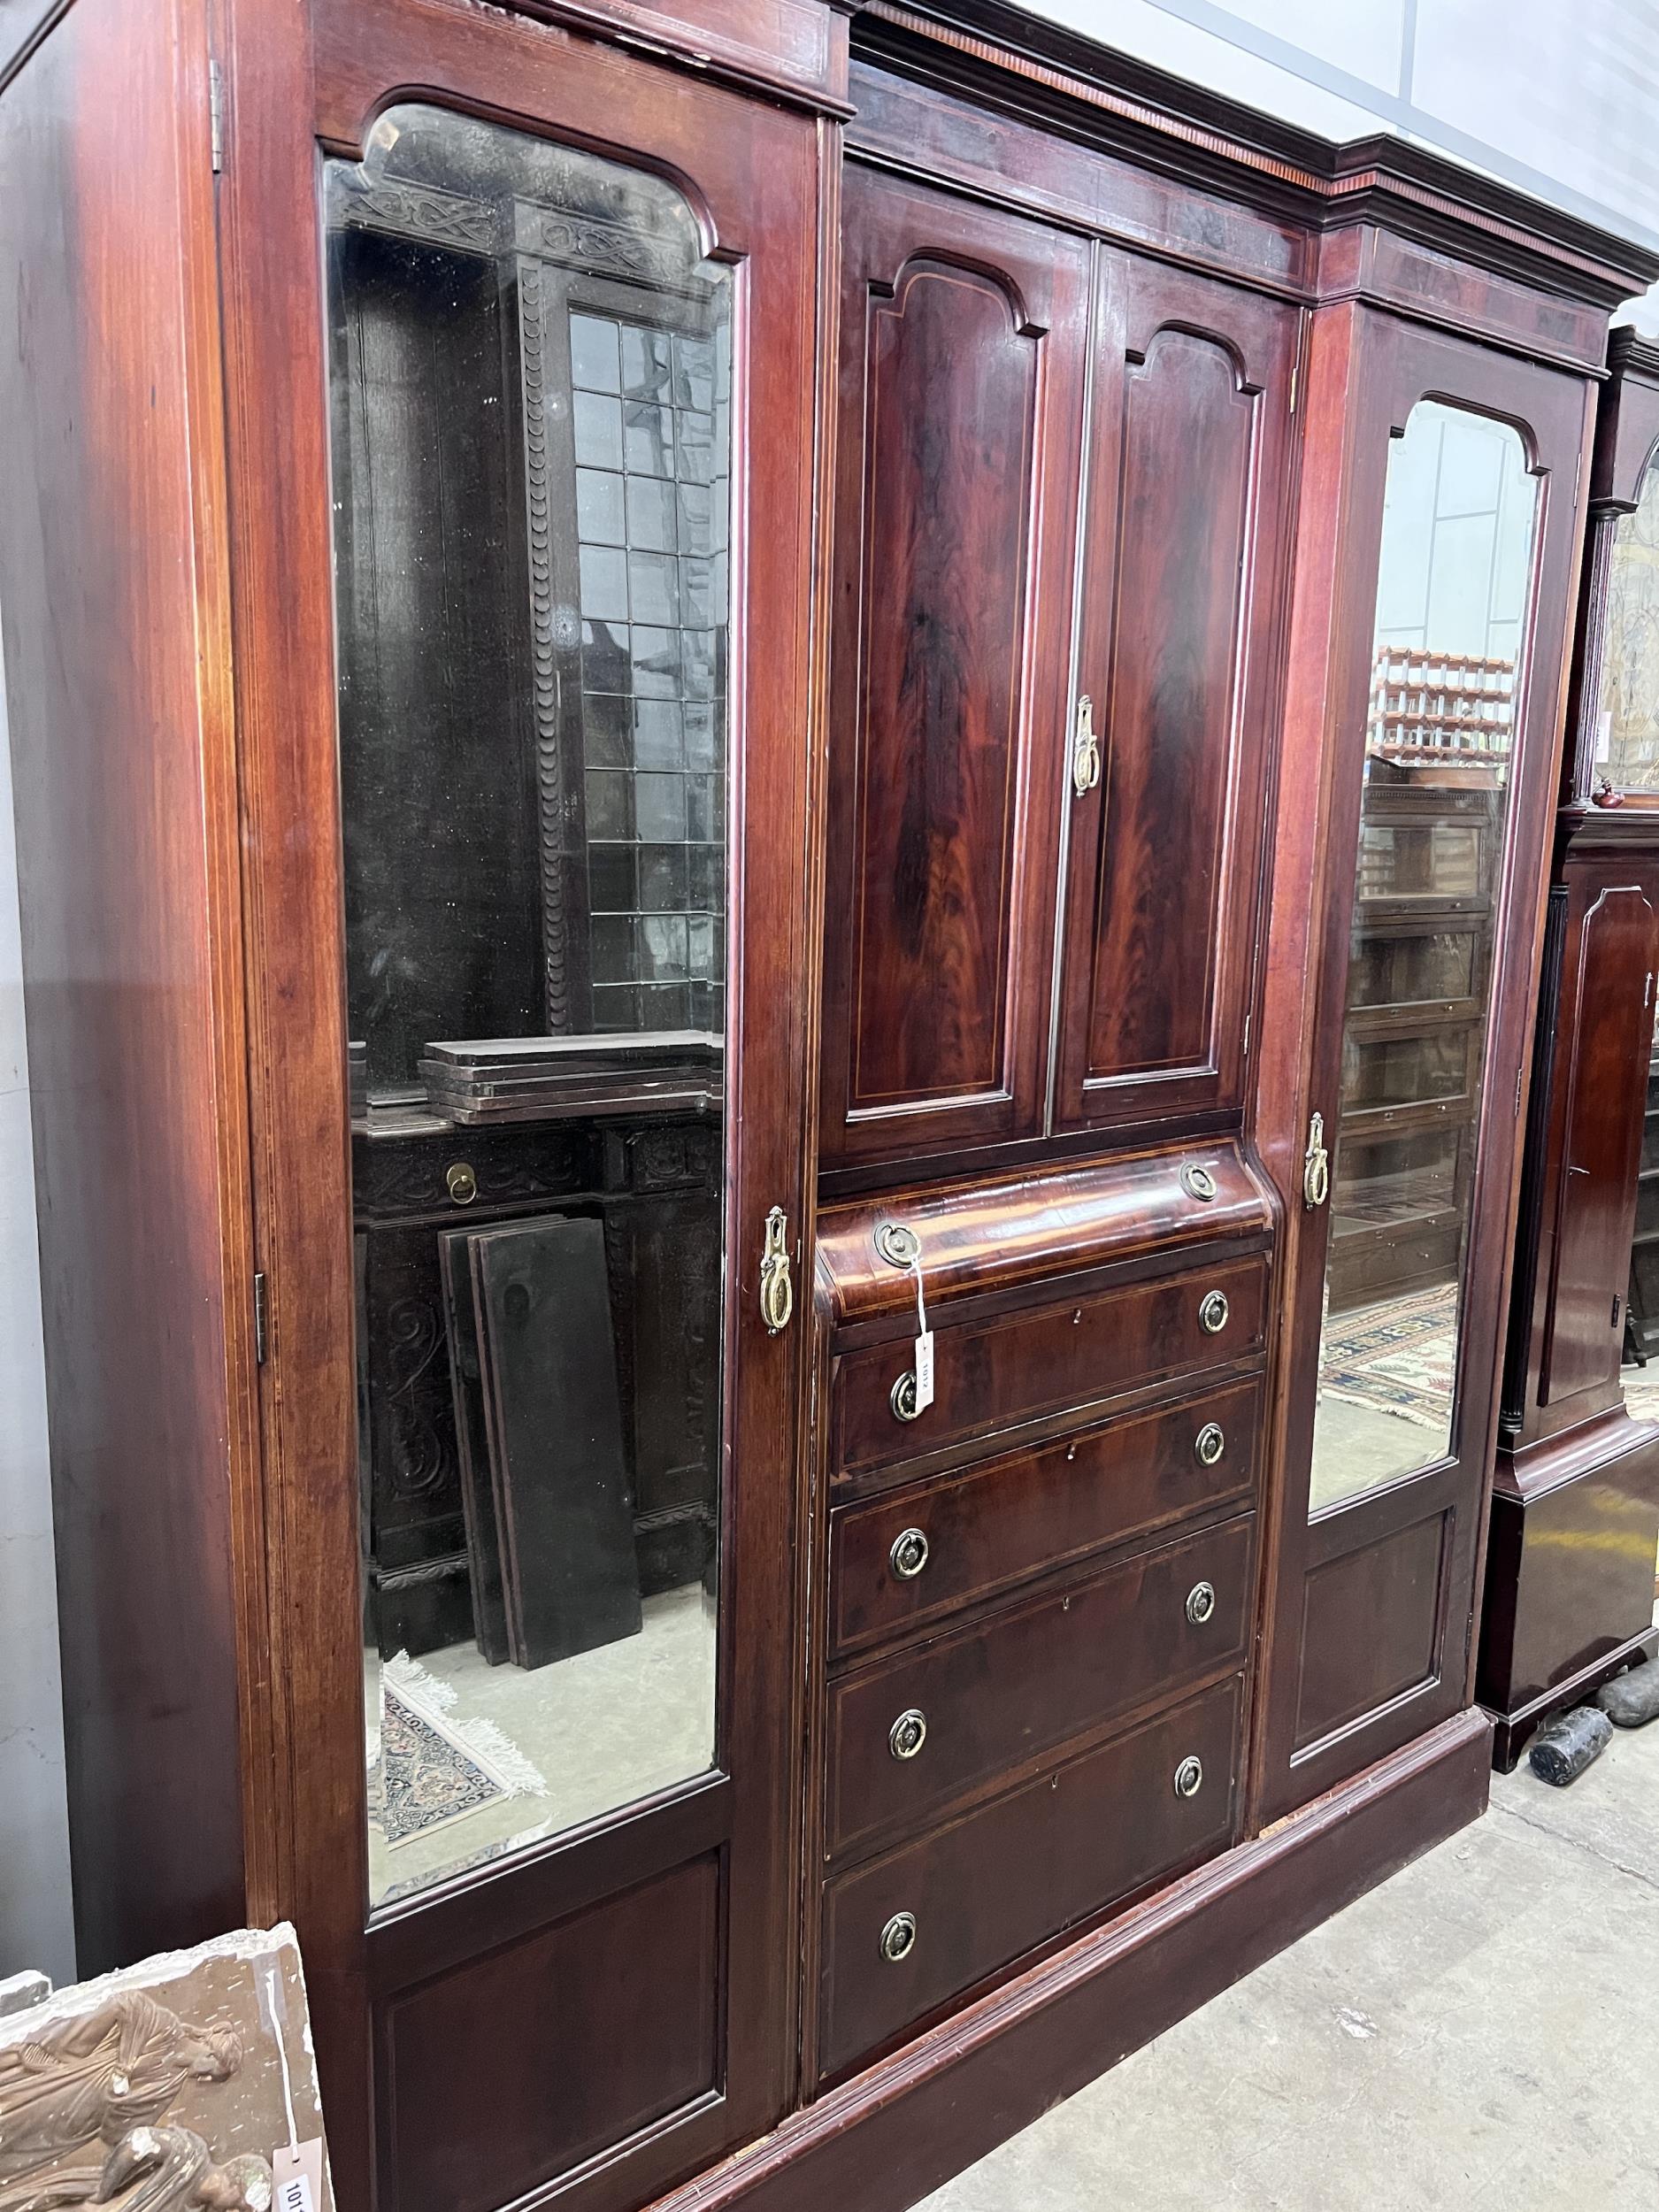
431 1768
1398 1356
1641 1386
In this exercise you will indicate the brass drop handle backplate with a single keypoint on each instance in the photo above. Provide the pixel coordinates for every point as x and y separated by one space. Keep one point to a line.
461 1182
908 1733
1212 1312
1189 1778
898 1938
1209 1443
909 1554
777 1290
1201 1602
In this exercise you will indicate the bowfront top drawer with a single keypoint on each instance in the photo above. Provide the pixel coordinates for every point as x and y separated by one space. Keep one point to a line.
1019 1366
905 1558
905 1934
912 1733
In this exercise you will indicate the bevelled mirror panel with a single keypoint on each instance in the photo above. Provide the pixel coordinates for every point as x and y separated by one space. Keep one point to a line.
1453 598
530 361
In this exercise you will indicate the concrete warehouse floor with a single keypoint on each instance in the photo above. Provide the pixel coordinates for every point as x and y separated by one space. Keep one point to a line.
1475 2036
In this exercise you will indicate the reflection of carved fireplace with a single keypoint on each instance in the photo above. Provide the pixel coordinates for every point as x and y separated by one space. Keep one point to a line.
531 514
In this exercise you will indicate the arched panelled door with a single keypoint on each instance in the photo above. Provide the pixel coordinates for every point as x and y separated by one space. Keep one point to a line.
1397 1145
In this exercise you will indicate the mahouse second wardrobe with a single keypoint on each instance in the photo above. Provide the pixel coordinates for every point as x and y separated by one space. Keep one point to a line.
783 778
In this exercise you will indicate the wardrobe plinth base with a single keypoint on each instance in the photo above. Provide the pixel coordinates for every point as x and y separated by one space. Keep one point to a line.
885 2139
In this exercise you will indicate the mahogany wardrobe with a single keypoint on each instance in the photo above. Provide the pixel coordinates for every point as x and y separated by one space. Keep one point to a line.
1575 1508
784 777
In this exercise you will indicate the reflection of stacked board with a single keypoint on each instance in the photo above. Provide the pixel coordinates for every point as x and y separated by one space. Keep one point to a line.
548 1526
1418 975
654 1184
1643 1317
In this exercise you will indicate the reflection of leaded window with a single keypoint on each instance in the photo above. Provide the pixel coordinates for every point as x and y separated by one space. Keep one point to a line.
531 436
651 527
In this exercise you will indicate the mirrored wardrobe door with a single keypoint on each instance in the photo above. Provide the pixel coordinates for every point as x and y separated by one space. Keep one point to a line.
531 370
1443 783
533 1087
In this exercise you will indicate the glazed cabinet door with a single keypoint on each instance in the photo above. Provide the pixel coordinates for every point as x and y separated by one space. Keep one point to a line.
962 373
527 799
1181 609
1431 740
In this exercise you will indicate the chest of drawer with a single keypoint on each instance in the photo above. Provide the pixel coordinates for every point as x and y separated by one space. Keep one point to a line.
902 1560
991 1374
907 1934
912 1733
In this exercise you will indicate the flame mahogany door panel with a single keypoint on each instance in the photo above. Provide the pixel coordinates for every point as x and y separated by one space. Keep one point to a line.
1181 602
962 373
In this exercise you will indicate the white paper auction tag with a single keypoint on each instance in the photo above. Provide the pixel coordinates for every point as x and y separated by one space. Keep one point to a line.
297 2171
923 1370
924 1342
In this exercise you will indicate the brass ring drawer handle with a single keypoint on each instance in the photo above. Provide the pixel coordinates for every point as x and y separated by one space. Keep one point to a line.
908 1733
1209 1443
1189 1778
902 1396
1201 1602
898 1938
1213 1311
909 1554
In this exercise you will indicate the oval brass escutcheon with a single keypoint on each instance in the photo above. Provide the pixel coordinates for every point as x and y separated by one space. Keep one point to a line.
1189 1778
908 1733
461 1183
1209 1443
1198 1181
909 1554
898 1938
1213 1311
903 1397
1201 1602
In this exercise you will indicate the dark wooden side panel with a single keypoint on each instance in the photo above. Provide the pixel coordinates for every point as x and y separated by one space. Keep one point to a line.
1372 1627
112 590
1180 610
1610 1021
507 2070
961 385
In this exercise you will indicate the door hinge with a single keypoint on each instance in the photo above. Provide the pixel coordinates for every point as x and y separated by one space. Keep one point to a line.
260 1319
1518 1094
216 113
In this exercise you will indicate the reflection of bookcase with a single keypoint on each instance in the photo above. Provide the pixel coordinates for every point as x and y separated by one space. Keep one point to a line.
1641 1325
1418 985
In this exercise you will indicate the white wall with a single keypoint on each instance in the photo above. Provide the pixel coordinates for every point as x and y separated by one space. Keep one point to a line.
1561 97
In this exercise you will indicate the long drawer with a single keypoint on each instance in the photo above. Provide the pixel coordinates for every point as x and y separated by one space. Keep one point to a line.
1018 1367
908 1557
909 1735
905 1934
